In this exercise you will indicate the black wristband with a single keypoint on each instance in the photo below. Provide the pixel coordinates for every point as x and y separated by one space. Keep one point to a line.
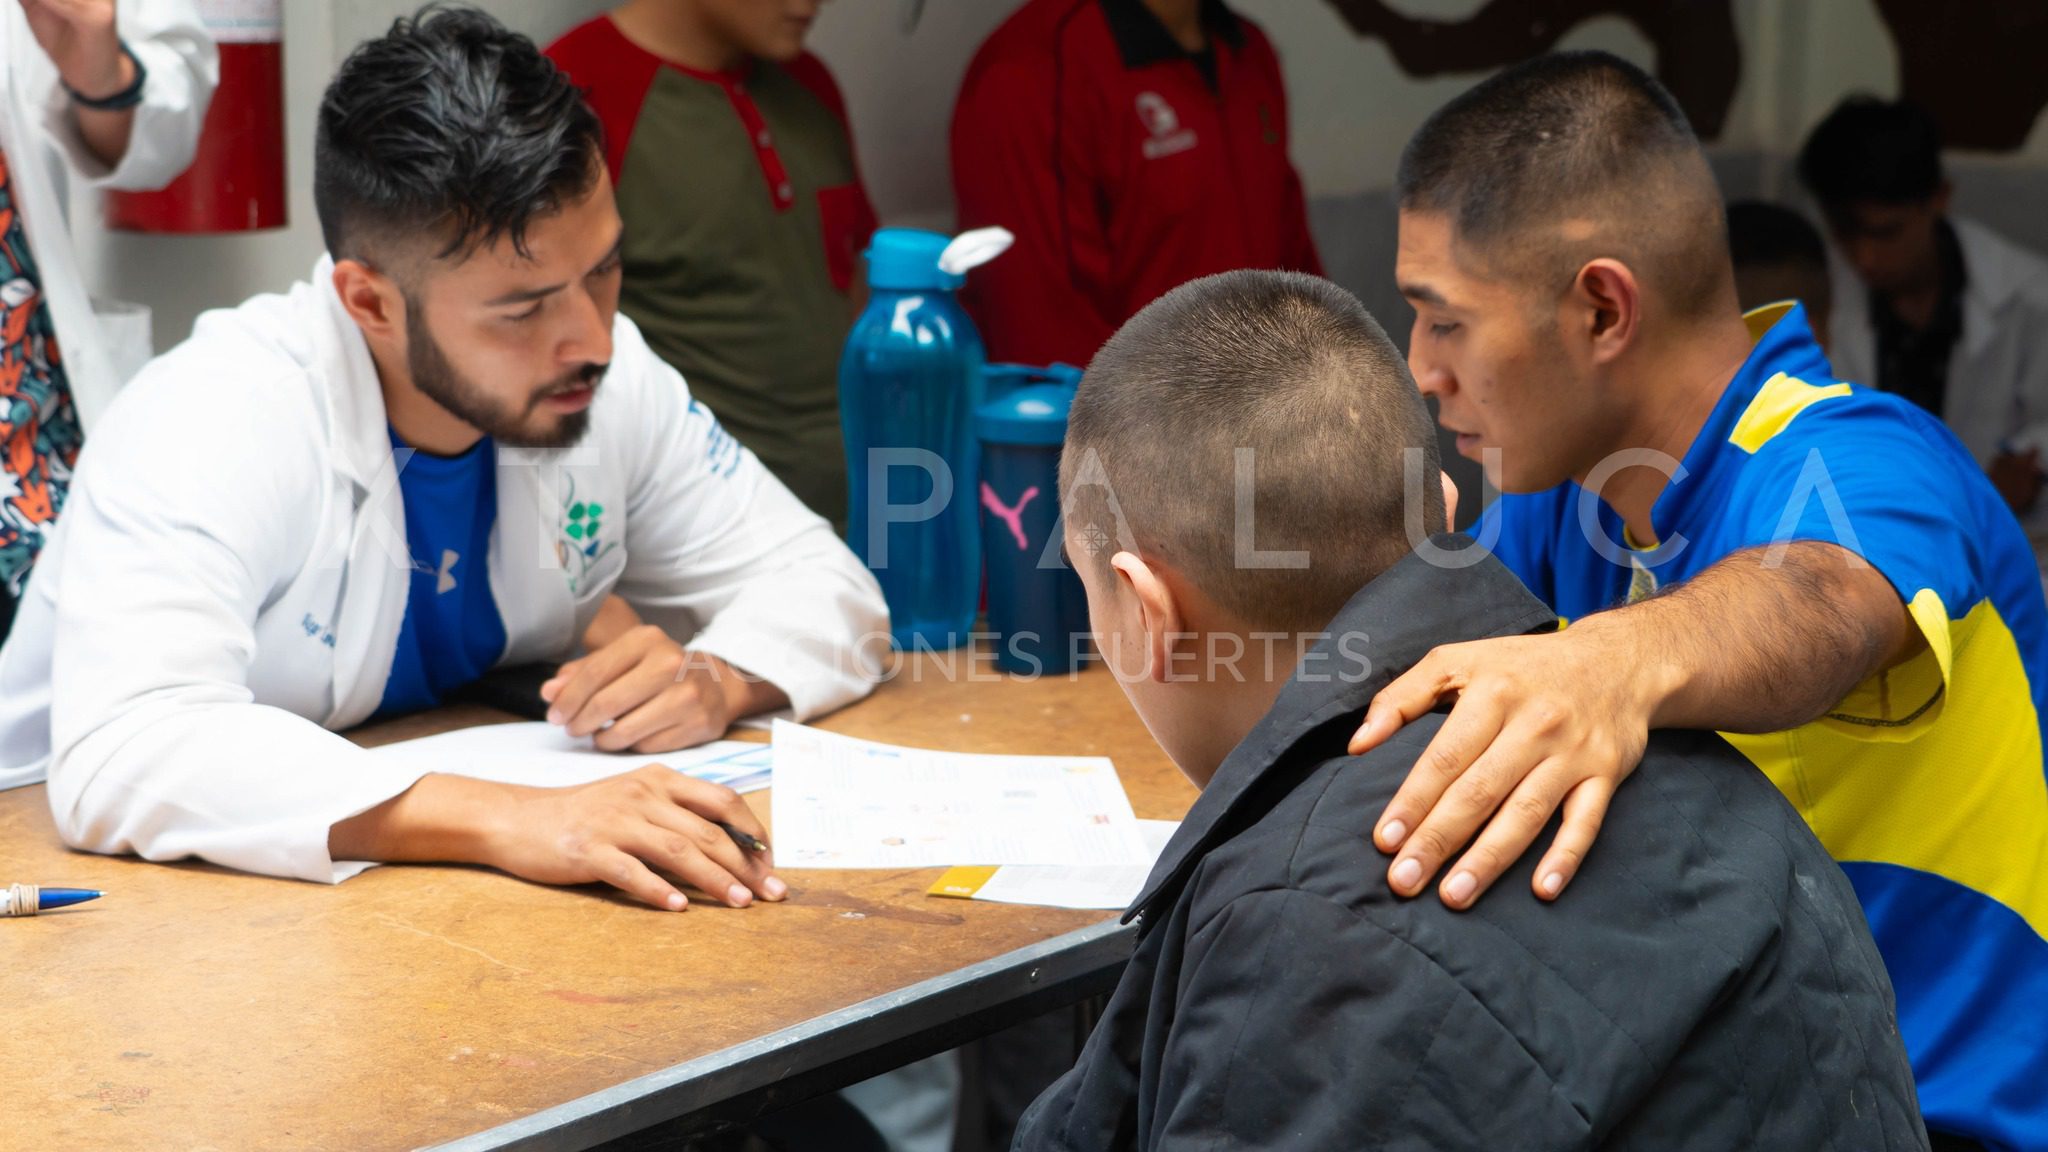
120 101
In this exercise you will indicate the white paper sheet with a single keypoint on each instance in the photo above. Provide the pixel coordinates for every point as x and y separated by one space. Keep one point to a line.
546 756
846 803
1062 886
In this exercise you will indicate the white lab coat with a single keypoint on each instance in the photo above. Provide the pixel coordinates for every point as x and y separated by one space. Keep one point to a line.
1998 373
38 128
224 590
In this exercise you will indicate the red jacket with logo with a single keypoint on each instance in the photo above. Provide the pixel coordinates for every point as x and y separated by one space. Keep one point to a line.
1125 165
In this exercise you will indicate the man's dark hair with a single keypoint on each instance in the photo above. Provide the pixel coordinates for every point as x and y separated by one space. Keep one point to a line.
449 127
1569 157
1763 233
1872 150
1292 369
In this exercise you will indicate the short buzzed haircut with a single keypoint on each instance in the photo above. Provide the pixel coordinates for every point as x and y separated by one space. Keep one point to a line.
1282 376
1570 157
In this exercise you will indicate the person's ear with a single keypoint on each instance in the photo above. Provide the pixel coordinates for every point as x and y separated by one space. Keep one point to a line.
372 299
1607 305
1450 501
1159 621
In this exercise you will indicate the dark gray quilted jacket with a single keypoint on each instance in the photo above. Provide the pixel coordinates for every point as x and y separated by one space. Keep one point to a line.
1707 982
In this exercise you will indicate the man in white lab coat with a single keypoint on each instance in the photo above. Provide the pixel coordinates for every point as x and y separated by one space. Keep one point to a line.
438 456
1939 309
115 95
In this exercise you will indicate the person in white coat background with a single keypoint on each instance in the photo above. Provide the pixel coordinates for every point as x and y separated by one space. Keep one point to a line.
1939 309
440 455
112 96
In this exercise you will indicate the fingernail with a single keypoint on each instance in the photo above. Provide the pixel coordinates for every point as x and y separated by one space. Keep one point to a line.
1460 887
1391 833
1553 884
776 888
676 902
739 896
554 716
1407 874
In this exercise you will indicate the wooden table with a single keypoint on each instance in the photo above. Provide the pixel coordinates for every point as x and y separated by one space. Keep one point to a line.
196 1008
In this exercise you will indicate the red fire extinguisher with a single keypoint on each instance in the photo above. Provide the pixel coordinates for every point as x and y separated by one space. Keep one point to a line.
237 179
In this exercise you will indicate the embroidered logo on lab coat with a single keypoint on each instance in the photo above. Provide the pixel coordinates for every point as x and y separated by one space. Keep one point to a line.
581 542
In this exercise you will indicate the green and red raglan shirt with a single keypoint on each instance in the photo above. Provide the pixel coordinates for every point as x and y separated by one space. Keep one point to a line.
745 218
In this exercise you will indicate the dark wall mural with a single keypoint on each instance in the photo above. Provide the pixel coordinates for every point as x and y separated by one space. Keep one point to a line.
1698 55
1976 65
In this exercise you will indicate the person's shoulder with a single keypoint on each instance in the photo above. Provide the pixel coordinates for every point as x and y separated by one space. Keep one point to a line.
810 71
583 51
1792 417
1035 35
1255 39
234 415
637 376
1692 803
1314 837
258 360
2003 267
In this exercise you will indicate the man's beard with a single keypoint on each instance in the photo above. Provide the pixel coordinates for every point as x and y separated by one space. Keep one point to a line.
435 376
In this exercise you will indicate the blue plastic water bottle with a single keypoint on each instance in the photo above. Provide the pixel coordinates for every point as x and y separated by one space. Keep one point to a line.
908 387
1036 605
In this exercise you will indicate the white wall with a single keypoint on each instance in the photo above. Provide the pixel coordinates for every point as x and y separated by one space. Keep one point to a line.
180 276
1352 111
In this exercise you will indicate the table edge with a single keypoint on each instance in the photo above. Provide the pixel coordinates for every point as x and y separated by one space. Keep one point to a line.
758 1063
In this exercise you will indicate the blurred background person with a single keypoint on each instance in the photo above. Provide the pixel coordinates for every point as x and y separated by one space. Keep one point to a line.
1939 309
745 215
1778 256
117 94
1132 146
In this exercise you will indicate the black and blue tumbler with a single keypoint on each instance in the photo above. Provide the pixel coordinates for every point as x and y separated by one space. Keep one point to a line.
1036 606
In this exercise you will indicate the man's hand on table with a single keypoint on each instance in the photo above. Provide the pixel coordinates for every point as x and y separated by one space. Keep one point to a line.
643 692
620 830
628 831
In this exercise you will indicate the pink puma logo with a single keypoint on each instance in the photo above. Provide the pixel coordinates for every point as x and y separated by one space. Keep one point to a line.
1014 517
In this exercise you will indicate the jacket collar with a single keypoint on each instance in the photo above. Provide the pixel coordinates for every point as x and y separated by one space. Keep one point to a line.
355 402
1994 270
1143 41
1383 631
1781 343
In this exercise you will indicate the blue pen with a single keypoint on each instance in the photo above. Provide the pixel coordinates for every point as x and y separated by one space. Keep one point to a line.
27 899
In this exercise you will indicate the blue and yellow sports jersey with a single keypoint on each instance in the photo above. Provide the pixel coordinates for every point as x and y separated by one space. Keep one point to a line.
1926 782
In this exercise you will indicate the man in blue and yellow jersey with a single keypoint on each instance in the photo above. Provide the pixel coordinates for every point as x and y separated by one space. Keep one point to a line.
1739 542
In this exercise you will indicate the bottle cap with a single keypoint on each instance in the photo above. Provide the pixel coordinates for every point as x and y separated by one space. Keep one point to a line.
907 259
1033 415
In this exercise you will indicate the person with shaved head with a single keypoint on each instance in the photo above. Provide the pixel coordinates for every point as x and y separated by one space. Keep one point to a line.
1739 541
1279 996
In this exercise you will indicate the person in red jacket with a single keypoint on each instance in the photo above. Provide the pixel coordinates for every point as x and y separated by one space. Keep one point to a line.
1132 146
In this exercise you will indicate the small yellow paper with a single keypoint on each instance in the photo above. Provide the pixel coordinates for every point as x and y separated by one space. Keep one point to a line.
962 883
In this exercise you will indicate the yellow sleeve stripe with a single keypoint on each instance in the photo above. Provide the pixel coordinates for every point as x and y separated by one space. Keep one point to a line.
1901 702
1963 798
1932 616
1780 399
